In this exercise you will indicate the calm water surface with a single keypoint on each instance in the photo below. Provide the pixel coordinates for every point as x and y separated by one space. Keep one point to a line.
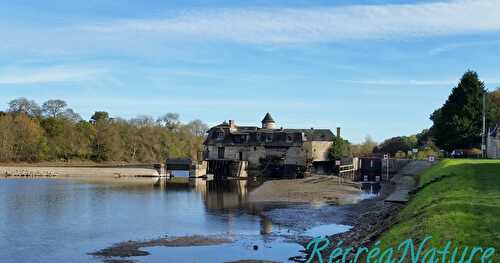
55 220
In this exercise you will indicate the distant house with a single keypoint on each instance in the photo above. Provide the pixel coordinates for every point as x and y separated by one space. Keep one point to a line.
265 145
493 142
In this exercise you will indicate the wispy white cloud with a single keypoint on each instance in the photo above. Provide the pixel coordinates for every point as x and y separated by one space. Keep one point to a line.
449 47
389 82
21 76
318 24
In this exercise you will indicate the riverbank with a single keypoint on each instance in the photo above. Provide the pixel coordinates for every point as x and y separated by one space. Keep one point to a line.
84 171
370 218
457 200
314 189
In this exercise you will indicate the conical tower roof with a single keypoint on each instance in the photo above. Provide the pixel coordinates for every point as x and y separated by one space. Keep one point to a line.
268 118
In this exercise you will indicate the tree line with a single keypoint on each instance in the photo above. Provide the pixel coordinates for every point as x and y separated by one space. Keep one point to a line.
53 131
457 124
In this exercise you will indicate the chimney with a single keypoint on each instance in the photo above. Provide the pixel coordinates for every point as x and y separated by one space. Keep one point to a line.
338 132
232 124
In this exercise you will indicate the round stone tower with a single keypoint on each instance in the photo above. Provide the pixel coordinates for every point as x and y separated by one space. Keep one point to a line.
268 122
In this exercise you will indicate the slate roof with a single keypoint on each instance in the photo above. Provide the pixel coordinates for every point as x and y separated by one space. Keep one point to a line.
268 118
252 136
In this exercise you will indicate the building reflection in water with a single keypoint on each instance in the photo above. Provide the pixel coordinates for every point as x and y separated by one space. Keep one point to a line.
266 226
226 197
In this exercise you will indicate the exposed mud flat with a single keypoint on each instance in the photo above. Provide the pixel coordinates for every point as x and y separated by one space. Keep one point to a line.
133 248
315 189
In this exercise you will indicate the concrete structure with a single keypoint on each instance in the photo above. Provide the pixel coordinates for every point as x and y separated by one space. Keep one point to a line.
185 167
268 148
493 142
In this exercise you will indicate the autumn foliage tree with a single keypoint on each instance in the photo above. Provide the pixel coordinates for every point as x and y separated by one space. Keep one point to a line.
29 132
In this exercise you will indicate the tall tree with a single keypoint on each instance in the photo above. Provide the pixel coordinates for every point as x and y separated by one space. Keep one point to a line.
30 144
99 115
23 105
458 123
52 108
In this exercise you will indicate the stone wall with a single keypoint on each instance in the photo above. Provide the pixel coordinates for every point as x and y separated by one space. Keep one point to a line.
318 150
294 155
253 154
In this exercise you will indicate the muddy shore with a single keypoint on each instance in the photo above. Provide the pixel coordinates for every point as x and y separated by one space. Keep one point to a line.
50 171
372 217
368 218
315 189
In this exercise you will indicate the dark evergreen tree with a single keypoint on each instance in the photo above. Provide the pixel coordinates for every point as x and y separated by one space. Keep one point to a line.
458 123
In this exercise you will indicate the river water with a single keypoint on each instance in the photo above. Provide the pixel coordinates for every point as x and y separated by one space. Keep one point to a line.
61 220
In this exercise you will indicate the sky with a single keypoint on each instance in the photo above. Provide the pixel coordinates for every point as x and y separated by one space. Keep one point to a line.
375 67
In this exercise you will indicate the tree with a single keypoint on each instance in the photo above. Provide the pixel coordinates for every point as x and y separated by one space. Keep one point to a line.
397 144
84 139
99 115
495 98
424 138
197 128
365 148
60 133
71 115
29 144
340 149
7 138
52 108
23 105
458 123
170 120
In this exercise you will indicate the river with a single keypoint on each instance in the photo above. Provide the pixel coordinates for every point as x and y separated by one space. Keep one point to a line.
62 220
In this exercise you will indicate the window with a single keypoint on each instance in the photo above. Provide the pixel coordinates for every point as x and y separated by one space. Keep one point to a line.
220 152
269 138
220 135
289 138
241 156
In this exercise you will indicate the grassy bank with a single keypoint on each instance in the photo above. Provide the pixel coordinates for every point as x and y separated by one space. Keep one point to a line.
463 207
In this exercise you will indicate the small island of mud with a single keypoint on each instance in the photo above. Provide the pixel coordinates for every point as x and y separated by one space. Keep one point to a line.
133 248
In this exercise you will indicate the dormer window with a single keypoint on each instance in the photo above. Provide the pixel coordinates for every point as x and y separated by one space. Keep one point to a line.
220 135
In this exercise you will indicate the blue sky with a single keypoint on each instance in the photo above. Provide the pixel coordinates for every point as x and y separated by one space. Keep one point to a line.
374 68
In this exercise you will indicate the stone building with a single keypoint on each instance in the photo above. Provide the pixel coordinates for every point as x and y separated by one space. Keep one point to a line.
269 148
493 143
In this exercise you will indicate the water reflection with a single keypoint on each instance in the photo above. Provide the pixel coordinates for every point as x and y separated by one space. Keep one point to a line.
266 226
52 220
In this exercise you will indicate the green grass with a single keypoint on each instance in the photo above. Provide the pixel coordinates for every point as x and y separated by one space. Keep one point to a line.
464 208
